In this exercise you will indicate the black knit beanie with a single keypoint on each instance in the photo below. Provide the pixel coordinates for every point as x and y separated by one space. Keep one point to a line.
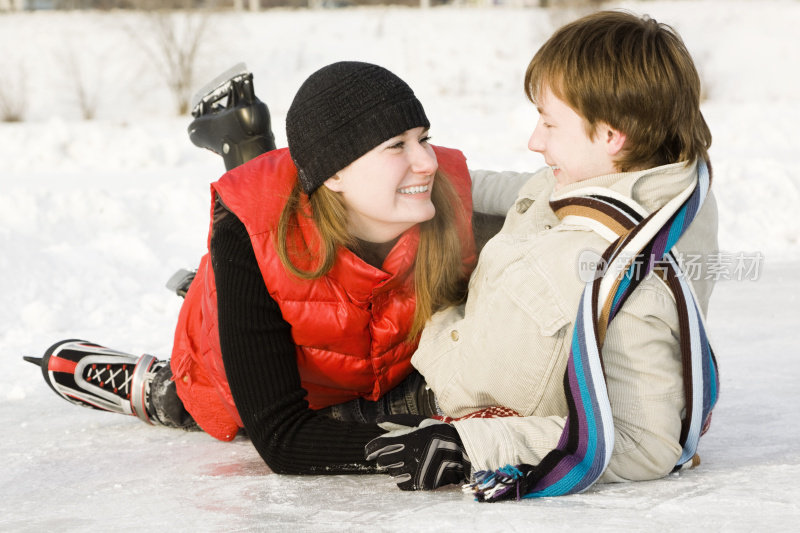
343 111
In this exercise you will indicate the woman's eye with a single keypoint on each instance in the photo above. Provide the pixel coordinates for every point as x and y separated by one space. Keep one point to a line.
425 139
397 145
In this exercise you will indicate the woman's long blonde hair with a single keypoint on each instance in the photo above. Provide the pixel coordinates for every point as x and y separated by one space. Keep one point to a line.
439 272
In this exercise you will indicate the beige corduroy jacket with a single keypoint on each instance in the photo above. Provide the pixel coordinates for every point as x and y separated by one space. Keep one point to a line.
509 344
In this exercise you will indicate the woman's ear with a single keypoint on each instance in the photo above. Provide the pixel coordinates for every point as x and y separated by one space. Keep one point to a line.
334 183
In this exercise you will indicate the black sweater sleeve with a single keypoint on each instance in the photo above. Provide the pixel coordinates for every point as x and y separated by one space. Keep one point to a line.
261 366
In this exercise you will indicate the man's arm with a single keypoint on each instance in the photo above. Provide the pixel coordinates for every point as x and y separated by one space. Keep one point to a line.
643 372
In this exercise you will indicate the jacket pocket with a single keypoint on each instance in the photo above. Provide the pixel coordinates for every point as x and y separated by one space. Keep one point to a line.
530 288
530 330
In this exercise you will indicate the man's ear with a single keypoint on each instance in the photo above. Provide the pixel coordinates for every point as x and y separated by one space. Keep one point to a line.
613 139
334 183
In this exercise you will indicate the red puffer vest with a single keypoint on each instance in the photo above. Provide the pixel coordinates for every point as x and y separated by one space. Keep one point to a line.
354 348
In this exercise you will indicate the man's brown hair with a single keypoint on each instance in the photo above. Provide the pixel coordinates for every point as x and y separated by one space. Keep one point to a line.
633 74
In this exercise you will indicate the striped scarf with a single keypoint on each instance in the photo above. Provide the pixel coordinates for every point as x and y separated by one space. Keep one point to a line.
640 244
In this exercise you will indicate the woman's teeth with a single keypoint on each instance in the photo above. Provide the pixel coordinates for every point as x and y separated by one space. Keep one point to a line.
413 190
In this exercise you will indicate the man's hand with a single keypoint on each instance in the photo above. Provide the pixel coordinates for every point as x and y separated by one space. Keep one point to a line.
419 453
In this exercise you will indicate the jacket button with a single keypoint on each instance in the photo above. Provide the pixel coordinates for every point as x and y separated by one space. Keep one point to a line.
548 226
454 335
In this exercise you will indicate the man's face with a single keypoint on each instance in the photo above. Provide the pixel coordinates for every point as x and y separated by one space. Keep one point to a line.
560 136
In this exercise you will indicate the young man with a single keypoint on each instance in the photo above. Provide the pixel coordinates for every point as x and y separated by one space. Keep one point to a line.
621 131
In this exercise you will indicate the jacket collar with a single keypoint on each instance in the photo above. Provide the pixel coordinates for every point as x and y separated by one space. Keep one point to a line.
650 188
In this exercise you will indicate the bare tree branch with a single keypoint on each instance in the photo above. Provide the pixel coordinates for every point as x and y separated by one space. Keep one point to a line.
14 95
173 41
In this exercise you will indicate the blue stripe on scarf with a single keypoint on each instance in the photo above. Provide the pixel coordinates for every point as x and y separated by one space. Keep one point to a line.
677 229
622 289
709 376
576 477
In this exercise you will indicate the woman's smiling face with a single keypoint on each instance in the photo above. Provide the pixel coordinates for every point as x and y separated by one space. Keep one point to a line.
388 190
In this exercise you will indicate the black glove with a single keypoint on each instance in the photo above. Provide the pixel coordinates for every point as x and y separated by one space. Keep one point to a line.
419 453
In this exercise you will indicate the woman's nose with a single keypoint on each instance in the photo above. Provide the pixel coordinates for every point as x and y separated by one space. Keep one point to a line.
423 159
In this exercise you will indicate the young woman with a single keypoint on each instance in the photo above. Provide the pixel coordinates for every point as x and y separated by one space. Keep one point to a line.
325 261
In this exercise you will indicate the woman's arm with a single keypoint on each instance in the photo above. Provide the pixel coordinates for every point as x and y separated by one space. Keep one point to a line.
261 366
494 192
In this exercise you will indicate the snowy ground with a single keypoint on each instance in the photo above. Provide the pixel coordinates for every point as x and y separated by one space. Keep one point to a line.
96 215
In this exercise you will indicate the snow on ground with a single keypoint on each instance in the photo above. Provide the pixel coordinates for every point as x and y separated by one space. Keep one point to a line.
96 215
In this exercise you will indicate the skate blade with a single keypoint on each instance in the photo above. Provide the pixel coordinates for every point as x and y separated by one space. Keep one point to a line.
219 84
180 281
35 360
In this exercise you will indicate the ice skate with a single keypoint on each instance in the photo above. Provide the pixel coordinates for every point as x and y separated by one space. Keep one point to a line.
230 120
90 375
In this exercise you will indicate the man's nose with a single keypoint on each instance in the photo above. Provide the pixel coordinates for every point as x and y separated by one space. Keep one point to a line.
536 140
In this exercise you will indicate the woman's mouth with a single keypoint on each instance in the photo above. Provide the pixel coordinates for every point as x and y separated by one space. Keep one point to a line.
416 189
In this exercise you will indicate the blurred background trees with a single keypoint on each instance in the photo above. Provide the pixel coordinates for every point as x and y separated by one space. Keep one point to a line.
255 5
171 35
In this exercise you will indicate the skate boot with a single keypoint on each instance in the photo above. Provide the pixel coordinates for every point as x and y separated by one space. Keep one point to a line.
90 375
230 120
